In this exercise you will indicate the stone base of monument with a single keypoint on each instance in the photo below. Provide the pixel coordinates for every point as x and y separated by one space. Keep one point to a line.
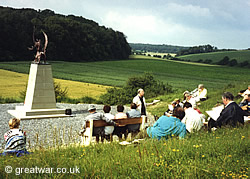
22 113
40 99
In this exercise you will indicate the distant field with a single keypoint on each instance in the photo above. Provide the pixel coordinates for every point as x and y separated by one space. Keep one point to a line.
240 56
161 54
116 73
12 83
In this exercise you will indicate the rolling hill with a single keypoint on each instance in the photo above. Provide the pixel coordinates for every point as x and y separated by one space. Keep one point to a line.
115 73
240 56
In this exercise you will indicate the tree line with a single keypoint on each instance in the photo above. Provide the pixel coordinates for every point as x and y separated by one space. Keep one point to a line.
71 38
140 47
201 49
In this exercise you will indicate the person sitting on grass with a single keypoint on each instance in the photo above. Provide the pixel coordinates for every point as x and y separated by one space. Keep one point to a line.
192 119
245 104
119 130
97 131
133 113
201 94
166 127
15 140
231 115
108 130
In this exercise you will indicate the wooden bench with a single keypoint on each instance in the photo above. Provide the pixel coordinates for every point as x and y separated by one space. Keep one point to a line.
87 136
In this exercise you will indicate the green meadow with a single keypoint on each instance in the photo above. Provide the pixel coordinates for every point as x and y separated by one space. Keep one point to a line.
240 56
220 154
223 153
115 73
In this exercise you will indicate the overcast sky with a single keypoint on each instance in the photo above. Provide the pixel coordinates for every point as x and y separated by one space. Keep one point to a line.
221 23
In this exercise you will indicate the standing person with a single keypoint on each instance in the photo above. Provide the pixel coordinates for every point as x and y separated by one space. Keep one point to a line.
231 115
15 139
192 119
166 127
133 113
139 100
108 130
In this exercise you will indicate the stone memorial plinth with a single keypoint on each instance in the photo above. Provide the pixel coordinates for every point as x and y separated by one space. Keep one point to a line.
40 101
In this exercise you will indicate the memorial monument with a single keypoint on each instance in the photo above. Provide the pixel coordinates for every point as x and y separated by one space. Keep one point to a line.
40 101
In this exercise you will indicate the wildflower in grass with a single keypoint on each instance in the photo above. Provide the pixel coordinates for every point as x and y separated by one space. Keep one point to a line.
203 156
229 155
160 156
152 154
177 150
242 137
165 143
173 150
137 151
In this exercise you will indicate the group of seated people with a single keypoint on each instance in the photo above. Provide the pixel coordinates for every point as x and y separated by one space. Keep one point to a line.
185 117
114 129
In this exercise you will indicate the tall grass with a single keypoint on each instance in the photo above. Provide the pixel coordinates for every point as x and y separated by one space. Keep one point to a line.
220 154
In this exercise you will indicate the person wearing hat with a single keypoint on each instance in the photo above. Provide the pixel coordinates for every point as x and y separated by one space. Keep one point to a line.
15 139
247 91
139 100
97 131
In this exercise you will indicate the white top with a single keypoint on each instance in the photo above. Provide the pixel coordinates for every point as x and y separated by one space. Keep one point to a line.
109 129
246 92
137 101
203 93
193 120
120 115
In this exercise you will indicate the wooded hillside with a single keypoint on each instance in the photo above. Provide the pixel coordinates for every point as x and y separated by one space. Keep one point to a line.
156 48
71 38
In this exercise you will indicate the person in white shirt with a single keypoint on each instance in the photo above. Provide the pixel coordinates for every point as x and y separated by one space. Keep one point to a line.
108 130
246 92
139 100
201 94
192 119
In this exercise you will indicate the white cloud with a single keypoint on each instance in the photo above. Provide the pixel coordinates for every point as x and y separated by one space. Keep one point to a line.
178 22
188 10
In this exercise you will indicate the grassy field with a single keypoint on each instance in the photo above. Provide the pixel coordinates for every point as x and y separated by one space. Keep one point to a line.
115 73
220 154
240 56
161 54
12 83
